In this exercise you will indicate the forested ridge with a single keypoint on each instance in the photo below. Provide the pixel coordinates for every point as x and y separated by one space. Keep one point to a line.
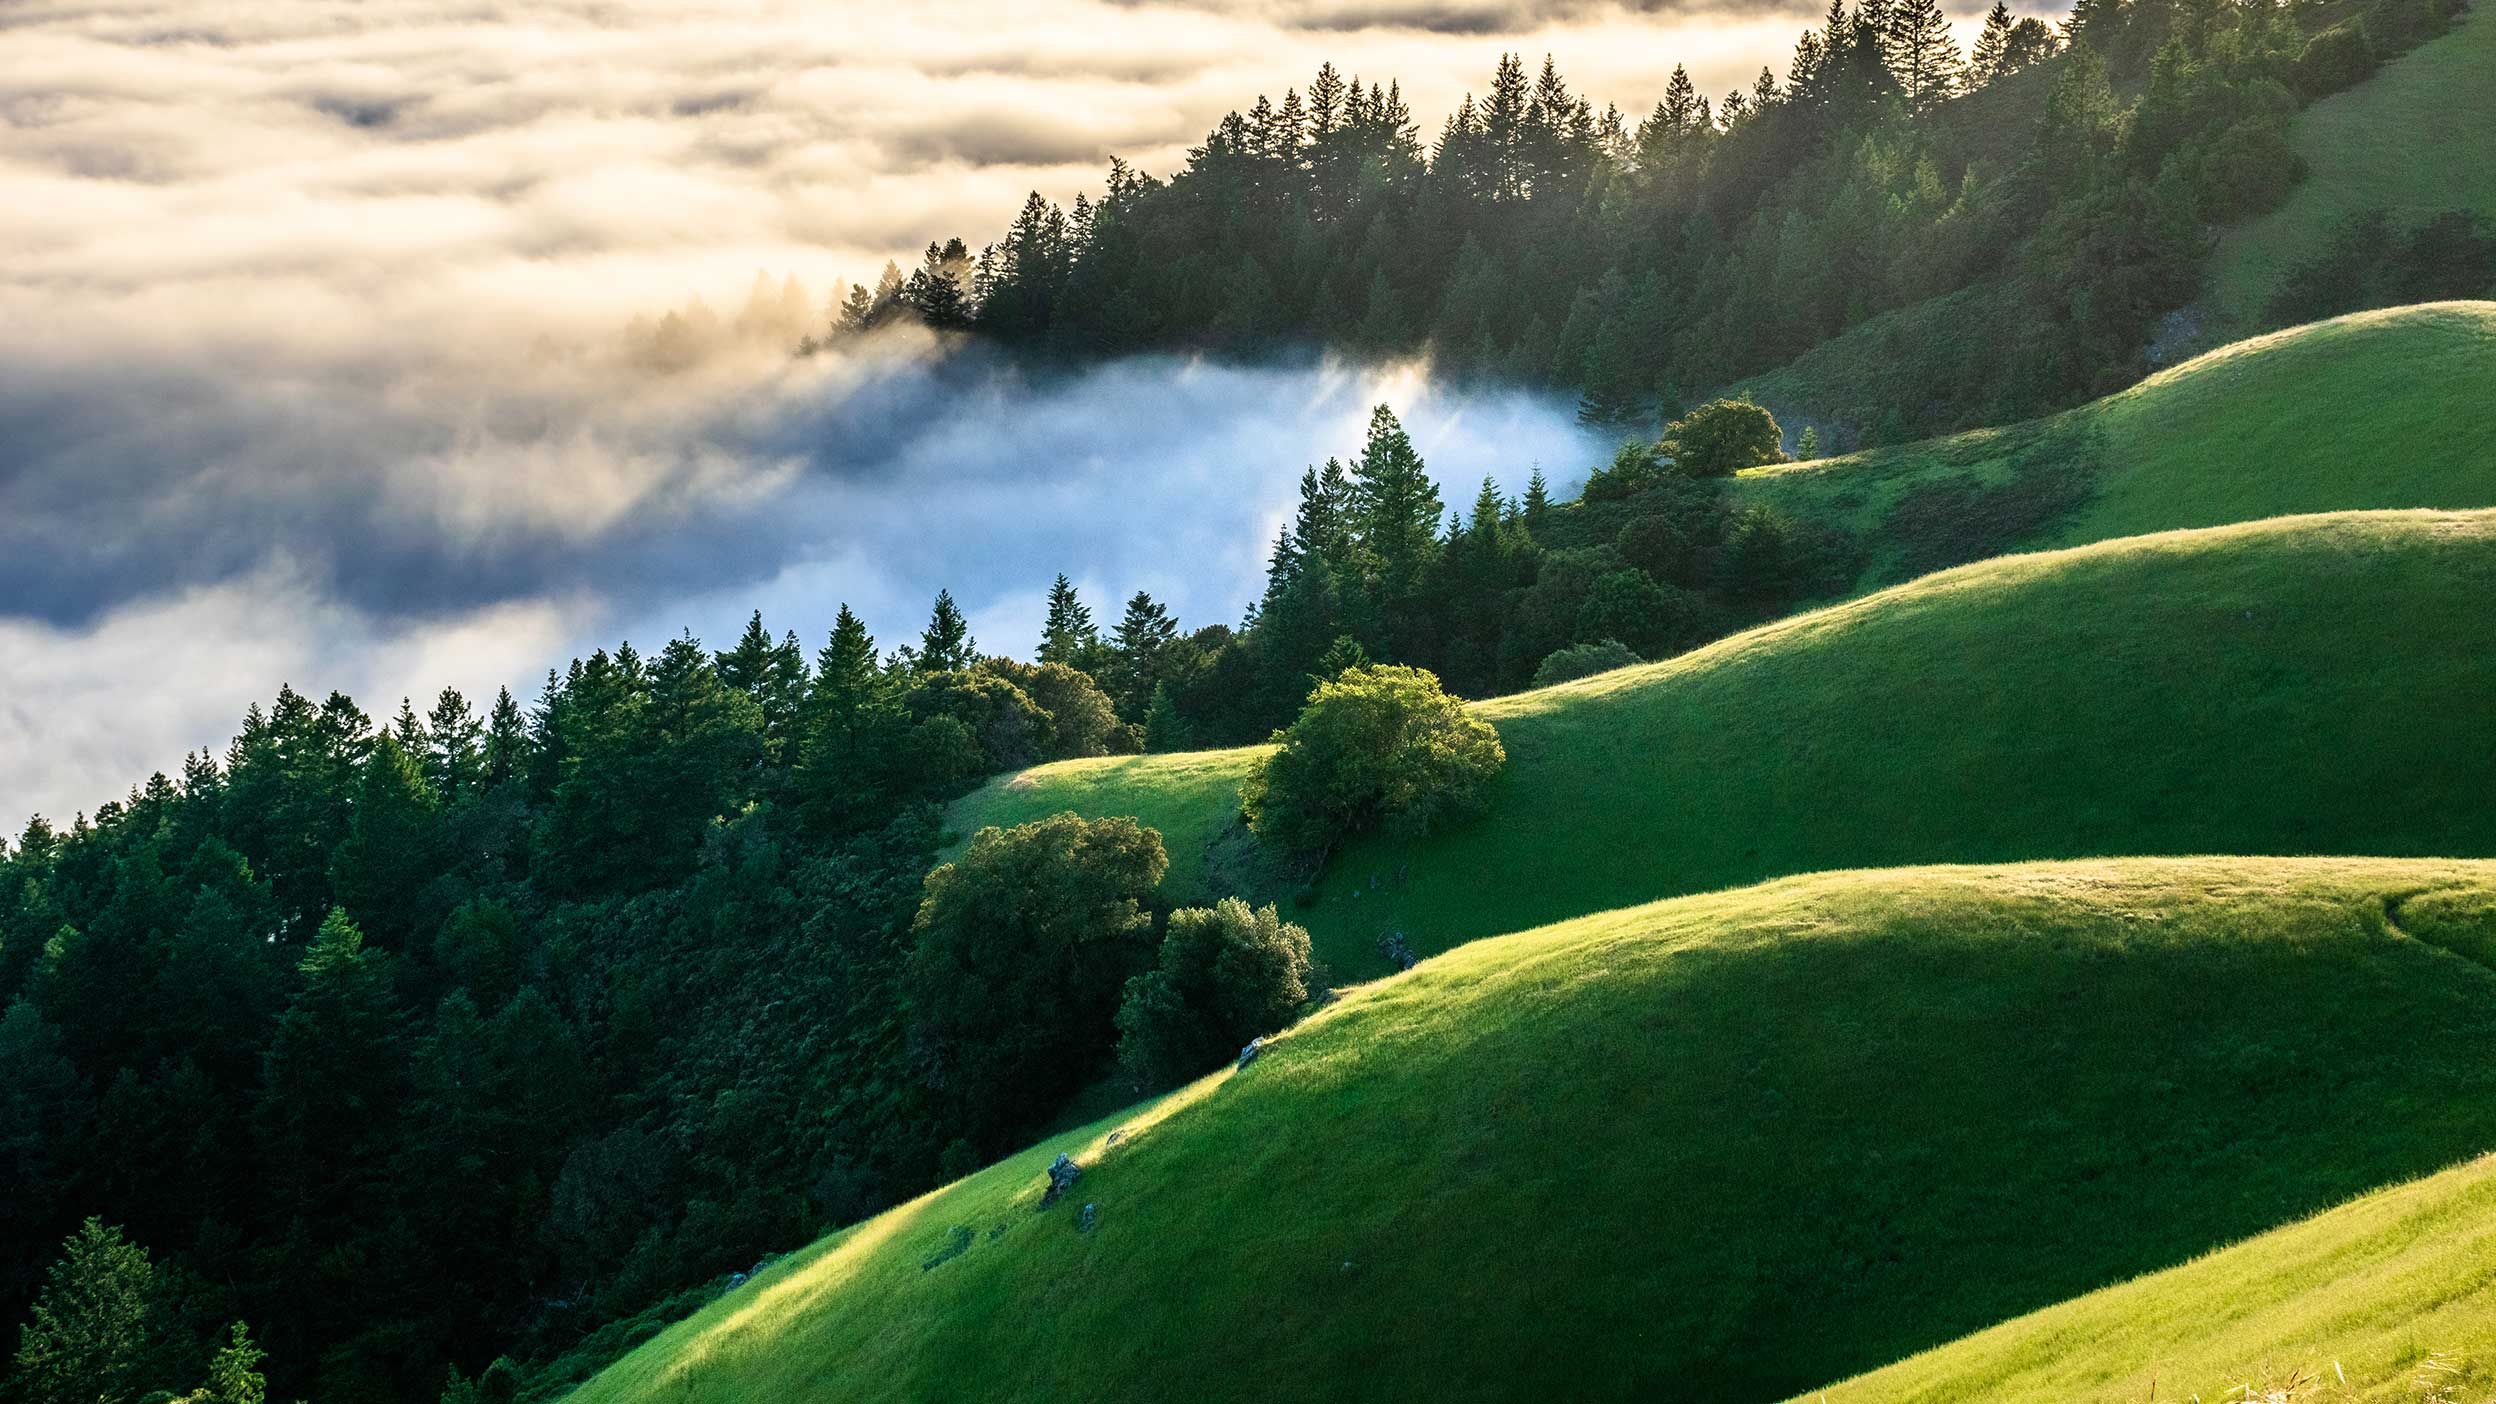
2040 203
504 1029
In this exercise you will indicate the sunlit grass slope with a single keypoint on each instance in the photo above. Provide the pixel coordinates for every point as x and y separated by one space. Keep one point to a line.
2305 685
1722 1148
2382 1299
2417 138
2375 410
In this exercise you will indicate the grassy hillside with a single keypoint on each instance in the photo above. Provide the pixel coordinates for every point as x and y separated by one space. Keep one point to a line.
2357 1301
2376 410
1724 1148
2316 684
2417 138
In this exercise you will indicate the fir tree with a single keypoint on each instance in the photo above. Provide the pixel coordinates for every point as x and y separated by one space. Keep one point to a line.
946 645
88 1336
1068 634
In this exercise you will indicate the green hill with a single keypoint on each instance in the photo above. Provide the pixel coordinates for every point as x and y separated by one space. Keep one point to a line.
2306 685
2376 410
1726 1147
2417 138
2357 1301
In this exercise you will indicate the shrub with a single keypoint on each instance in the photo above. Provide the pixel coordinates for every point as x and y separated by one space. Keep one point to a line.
1583 661
1723 437
1378 746
1022 946
1227 975
2340 57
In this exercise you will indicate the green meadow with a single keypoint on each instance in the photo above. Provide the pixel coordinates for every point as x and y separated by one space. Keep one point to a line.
2304 685
1727 1147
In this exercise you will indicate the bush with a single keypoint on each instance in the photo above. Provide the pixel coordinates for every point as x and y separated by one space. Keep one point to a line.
1023 944
2336 59
1583 661
1723 437
1378 746
1227 975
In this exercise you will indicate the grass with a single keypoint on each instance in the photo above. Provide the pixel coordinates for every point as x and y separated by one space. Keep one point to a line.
2382 1299
1727 1147
2375 410
2416 139
2307 685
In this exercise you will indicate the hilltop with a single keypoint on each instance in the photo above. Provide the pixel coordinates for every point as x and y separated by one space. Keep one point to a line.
1725 1147
2381 409
2305 685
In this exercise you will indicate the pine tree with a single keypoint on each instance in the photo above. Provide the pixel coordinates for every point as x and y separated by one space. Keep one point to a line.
1985 63
1068 634
506 740
1921 53
946 646
88 1336
1537 500
1164 728
233 1373
1137 647
454 756
1395 505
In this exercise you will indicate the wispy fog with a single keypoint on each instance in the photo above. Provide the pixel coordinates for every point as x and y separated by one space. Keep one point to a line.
315 362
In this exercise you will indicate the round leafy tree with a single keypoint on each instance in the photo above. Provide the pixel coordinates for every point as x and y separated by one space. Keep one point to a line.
1226 975
1375 747
1023 945
1723 437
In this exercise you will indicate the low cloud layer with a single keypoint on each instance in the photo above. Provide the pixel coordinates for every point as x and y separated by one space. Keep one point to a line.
316 364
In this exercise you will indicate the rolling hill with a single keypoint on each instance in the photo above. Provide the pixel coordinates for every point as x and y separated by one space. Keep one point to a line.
1725 1147
2374 410
2417 138
2386 1298
2304 685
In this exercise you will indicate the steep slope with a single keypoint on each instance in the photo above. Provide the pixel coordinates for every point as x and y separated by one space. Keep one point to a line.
2305 685
2417 138
1722 1148
2375 410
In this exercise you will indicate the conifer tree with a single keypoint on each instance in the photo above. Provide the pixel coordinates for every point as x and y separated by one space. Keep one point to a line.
1921 53
454 759
506 740
1985 62
946 645
1137 649
88 1336
1068 634
1537 500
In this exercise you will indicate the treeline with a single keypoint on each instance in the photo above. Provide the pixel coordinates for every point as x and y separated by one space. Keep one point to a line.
2067 176
417 1043
1374 567
475 1032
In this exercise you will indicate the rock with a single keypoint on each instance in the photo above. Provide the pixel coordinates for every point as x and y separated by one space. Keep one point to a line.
1063 1172
1249 1054
1088 1219
955 1246
1398 951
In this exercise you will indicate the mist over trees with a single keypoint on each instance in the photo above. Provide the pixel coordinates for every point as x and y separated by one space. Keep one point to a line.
2048 195
507 1027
